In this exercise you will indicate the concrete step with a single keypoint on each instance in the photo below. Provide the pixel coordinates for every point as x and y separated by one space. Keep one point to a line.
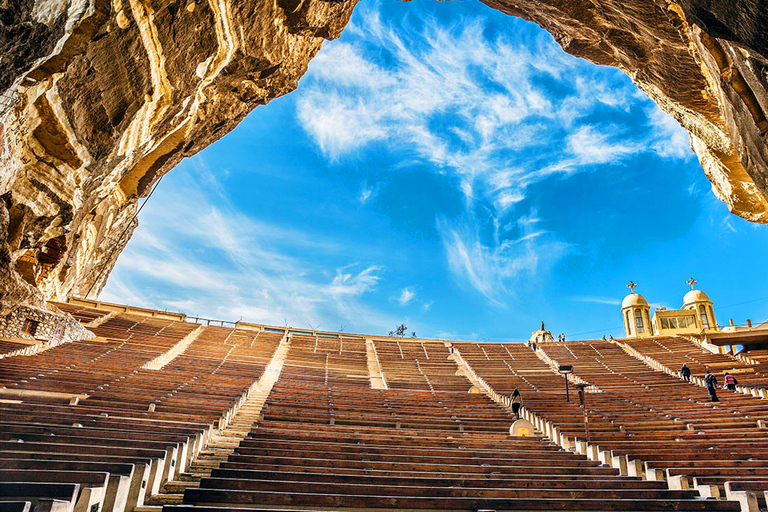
148 508
165 499
178 486
193 476
204 464
225 441
216 456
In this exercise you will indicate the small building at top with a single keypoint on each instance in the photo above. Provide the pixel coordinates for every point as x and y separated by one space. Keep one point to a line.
696 315
541 336
636 314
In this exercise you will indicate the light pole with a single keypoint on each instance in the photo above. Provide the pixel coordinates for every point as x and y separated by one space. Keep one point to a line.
583 401
565 369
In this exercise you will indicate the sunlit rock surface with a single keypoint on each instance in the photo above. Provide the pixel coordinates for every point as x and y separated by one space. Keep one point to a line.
100 98
702 61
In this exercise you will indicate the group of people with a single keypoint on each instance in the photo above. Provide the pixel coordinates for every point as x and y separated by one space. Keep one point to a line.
561 337
710 381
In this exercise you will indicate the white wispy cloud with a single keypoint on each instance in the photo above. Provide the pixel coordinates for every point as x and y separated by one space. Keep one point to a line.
669 139
495 115
367 193
481 109
201 256
511 255
591 146
406 296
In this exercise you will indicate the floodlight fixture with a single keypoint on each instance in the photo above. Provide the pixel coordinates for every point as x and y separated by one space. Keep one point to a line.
565 369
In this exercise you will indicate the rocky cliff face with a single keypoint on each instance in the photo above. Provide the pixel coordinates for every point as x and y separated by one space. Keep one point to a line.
101 98
705 62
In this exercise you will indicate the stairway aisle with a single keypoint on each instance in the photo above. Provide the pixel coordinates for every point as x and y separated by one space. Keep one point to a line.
223 442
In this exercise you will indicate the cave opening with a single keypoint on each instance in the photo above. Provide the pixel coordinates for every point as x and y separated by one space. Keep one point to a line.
444 163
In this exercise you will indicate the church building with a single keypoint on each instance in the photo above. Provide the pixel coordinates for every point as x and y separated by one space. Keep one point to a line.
696 315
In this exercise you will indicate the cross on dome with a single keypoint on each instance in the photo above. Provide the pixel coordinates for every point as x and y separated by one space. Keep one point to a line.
692 282
631 286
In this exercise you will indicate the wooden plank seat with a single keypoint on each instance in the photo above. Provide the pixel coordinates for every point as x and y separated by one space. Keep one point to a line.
492 480
83 314
157 459
192 437
410 472
751 494
35 492
92 485
184 443
221 498
125 482
9 345
424 491
718 471
15 506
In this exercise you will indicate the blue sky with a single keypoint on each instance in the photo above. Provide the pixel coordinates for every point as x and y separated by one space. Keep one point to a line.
448 167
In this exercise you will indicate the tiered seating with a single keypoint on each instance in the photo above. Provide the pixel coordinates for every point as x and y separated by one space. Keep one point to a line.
87 414
330 442
673 352
102 424
643 415
86 365
7 346
83 314
433 382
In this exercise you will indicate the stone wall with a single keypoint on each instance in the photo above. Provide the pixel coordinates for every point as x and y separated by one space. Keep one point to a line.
54 328
100 98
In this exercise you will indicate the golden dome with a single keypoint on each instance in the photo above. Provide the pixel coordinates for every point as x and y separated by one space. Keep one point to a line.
695 296
634 299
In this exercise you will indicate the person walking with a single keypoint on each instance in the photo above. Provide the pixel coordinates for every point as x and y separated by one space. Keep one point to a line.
685 372
730 381
517 403
711 381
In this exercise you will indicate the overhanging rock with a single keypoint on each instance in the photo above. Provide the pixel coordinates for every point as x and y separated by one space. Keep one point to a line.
99 99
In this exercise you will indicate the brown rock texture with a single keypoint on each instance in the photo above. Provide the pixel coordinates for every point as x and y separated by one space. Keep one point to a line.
100 98
705 62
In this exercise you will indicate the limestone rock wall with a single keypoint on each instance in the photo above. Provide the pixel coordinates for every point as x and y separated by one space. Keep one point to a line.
100 98
705 62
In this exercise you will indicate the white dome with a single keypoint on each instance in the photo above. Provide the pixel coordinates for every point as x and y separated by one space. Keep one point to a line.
694 296
634 299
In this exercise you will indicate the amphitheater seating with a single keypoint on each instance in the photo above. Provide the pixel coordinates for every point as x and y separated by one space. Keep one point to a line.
329 441
673 352
83 314
8 345
639 415
87 413
96 426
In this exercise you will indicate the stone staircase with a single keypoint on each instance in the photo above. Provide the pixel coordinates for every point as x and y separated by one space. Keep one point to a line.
223 442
